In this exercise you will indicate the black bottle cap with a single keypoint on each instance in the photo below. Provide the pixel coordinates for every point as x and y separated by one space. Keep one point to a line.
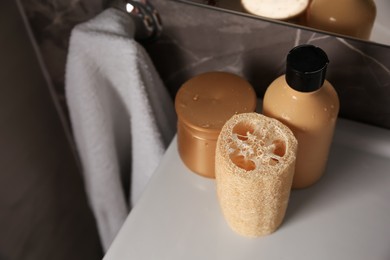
306 68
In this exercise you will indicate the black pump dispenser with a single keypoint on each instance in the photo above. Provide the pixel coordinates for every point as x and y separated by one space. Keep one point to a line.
306 68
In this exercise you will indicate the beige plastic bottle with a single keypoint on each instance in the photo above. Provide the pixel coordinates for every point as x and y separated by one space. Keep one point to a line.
308 104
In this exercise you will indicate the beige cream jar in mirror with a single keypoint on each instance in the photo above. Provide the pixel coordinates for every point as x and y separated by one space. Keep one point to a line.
346 17
285 10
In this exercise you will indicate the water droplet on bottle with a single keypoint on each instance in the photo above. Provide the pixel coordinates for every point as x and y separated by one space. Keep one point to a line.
196 97
285 117
325 109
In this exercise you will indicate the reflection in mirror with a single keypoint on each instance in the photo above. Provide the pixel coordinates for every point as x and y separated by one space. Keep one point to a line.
364 19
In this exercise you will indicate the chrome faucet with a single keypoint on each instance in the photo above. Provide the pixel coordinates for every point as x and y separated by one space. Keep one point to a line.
148 25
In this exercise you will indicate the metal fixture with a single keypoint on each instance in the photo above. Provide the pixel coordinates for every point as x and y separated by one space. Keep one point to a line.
148 25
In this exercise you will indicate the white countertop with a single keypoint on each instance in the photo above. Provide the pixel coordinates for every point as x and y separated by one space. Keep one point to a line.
346 215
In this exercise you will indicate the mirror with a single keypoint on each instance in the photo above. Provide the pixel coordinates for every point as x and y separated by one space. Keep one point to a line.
380 29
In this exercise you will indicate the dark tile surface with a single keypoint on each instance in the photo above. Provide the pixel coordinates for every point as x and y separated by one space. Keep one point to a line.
51 22
198 39
43 208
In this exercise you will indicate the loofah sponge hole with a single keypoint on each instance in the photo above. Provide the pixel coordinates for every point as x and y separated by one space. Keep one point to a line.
242 130
240 154
252 147
279 150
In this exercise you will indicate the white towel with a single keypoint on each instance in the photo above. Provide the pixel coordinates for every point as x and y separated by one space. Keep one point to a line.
121 114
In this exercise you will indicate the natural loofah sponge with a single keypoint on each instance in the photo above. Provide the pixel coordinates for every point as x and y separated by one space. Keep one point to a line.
255 161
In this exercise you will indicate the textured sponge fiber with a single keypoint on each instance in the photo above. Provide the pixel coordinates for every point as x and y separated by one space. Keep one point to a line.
255 161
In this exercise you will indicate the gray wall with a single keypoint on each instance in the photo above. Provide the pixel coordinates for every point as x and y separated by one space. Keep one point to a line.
198 39
43 209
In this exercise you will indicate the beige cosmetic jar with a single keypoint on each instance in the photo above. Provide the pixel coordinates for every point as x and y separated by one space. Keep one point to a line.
203 105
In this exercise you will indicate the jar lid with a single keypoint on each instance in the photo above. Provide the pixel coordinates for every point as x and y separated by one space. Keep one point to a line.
272 9
205 102
306 68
